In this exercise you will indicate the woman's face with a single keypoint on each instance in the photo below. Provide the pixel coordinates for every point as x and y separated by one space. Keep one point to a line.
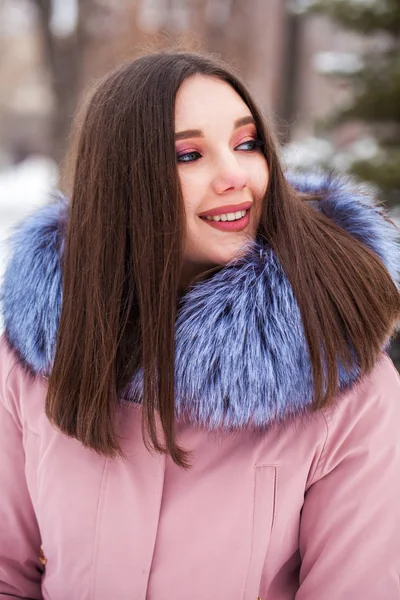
222 170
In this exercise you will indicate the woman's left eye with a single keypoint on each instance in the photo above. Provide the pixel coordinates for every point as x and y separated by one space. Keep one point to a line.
188 157
249 145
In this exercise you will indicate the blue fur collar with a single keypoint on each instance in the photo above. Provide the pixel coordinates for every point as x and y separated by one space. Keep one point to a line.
241 356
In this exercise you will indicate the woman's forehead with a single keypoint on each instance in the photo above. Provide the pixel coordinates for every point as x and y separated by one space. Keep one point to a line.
201 99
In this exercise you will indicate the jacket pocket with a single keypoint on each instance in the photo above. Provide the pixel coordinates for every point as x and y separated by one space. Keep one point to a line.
263 518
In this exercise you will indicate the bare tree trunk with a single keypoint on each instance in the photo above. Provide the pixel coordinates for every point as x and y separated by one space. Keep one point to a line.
64 57
291 70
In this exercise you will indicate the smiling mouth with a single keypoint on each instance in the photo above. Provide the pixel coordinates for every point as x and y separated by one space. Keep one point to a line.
231 216
230 222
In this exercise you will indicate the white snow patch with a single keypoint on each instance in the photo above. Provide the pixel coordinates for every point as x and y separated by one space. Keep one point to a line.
337 63
64 17
308 153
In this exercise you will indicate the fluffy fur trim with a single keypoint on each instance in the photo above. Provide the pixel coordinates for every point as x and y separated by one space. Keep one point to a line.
241 354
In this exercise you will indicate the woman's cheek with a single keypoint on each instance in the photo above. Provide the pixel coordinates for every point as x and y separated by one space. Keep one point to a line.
190 198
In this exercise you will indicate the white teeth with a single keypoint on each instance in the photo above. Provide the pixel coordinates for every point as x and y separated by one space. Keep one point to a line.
228 216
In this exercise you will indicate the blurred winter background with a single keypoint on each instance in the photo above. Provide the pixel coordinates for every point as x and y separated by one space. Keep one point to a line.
328 73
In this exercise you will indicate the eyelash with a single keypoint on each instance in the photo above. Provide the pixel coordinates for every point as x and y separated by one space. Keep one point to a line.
256 144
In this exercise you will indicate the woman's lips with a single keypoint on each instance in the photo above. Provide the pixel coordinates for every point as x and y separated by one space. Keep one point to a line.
237 225
227 208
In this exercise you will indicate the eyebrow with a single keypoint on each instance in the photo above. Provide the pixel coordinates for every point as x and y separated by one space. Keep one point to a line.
191 133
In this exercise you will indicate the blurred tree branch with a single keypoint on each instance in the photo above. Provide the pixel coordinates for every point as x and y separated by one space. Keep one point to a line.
377 91
366 18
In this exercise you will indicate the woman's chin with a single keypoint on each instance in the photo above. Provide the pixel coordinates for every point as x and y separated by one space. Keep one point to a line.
233 252
196 266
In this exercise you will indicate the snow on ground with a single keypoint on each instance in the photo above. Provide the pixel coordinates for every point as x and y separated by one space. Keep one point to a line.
23 188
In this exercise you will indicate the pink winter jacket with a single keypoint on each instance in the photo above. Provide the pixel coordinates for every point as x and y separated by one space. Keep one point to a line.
280 503
308 510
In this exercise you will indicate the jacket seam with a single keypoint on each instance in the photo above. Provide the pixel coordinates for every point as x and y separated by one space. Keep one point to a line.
274 466
99 510
318 467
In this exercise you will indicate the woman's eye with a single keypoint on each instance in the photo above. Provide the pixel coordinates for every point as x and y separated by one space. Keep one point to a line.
188 157
249 145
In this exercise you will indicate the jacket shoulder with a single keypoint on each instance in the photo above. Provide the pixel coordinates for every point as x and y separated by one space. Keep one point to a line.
365 419
18 385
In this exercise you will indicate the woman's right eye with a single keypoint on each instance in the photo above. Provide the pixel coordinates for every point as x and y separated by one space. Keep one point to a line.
188 157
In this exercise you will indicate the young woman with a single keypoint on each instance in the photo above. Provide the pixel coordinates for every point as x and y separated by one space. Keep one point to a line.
195 400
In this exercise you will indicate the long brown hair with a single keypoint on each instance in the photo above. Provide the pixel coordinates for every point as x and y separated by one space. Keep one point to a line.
122 261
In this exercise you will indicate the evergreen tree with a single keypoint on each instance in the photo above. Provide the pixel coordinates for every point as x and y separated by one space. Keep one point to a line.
376 86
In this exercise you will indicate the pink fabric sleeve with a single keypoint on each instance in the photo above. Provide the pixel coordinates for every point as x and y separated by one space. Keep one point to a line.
350 525
19 534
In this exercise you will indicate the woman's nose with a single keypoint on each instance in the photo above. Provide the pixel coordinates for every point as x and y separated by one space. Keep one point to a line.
229 175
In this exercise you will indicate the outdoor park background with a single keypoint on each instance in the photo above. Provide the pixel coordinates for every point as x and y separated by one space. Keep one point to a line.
326 72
